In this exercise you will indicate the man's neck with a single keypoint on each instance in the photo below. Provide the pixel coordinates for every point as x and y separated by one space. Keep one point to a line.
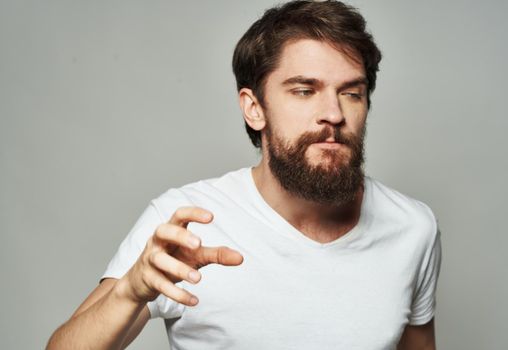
321 222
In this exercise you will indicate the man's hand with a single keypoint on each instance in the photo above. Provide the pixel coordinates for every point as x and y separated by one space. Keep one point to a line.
172 254
115 312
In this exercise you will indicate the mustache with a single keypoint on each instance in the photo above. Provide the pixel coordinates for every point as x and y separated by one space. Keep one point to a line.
326 133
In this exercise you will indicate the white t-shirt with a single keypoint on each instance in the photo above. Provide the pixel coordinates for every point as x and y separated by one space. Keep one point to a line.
291 292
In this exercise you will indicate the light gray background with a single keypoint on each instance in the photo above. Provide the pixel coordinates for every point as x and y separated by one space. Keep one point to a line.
106 104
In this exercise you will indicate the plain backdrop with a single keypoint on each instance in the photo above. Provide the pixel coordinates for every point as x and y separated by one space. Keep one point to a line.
106 104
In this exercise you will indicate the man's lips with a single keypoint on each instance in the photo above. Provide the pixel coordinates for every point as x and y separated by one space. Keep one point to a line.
328 144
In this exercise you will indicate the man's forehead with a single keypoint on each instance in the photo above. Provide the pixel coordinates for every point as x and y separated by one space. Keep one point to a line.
318 60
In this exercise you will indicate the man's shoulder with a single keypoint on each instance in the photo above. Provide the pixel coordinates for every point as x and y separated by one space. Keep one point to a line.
388 193
203 192
232 178
391 203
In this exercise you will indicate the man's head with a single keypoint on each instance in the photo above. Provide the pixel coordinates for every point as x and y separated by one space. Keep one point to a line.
258 52
305 72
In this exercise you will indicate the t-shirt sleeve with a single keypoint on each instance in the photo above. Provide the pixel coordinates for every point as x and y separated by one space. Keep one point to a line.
424 300
129 251
132 246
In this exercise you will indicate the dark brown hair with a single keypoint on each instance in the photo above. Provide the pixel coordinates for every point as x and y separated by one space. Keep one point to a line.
258 52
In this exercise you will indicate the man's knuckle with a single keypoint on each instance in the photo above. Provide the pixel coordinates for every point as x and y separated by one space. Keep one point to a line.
181 233
180 212
183 271
169 232
159 285
154 258
159 231
220 254
145 277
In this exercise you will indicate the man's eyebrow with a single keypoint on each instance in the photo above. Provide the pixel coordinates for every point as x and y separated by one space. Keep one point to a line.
353 83
300 79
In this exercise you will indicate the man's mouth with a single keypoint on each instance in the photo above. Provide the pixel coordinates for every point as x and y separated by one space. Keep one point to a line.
329 144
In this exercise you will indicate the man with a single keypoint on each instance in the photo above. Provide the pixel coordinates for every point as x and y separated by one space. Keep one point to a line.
321 255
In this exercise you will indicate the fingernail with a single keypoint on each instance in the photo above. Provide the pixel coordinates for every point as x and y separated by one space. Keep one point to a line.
194 276
194 242
193 300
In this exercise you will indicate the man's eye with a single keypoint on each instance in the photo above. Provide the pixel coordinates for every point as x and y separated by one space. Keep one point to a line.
353 95
303 92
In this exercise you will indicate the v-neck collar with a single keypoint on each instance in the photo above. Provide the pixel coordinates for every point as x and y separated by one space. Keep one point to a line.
284 227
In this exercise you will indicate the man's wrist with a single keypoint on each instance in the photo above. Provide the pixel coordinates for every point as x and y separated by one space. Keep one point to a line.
123 292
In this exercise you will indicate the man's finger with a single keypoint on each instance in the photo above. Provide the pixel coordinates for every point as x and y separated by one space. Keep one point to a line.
175 269
177 235
220 255
160 283
183 215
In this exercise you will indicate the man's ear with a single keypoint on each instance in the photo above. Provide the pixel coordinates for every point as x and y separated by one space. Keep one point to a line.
251 109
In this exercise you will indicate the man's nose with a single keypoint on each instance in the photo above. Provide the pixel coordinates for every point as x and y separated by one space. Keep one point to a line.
331 111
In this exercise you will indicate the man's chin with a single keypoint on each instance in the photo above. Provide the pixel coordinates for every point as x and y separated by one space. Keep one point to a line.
326 159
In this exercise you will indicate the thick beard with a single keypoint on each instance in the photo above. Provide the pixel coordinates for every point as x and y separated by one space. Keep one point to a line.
335 181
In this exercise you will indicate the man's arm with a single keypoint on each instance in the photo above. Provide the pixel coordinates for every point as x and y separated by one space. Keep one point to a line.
418 337
116 311
105 320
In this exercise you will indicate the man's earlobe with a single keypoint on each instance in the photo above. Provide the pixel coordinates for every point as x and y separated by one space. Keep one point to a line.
251 109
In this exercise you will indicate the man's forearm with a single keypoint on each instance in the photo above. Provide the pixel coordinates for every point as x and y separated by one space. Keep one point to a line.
104 325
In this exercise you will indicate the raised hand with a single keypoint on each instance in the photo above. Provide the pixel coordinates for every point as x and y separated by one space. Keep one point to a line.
172 254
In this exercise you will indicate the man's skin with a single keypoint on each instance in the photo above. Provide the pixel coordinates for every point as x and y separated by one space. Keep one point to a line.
315 86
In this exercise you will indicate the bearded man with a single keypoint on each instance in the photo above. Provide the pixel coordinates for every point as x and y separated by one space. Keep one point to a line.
322 256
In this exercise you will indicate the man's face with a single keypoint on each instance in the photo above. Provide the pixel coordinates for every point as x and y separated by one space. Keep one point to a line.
316 108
